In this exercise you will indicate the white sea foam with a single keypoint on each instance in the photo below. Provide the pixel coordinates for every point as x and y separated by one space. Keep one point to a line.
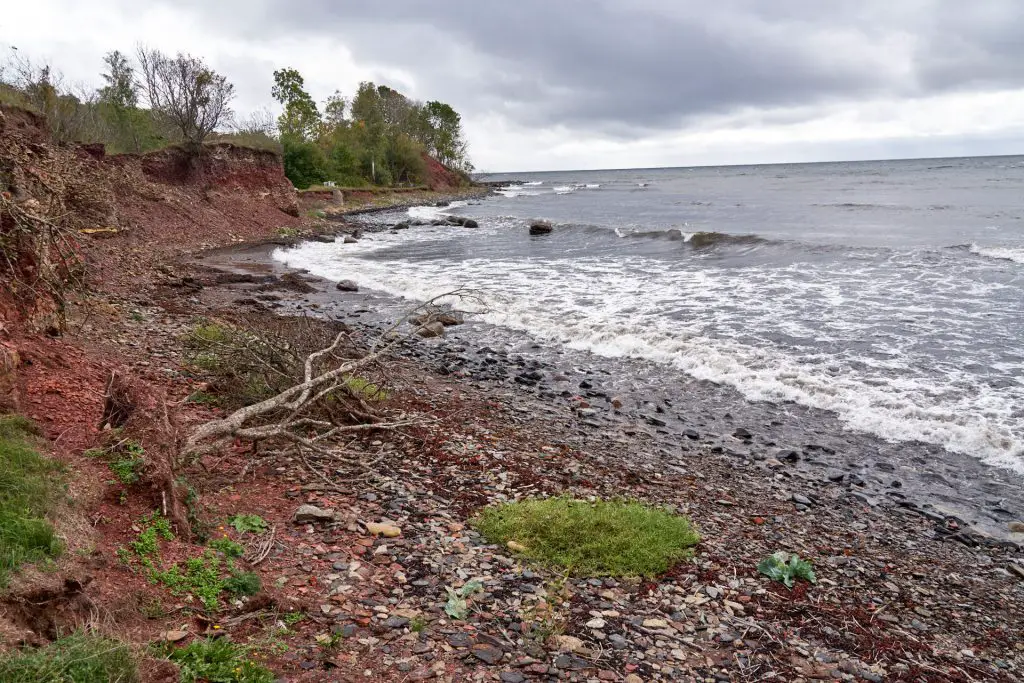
430 213
724 324
1015 254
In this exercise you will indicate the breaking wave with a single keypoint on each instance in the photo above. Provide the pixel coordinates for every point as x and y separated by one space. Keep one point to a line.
1015 254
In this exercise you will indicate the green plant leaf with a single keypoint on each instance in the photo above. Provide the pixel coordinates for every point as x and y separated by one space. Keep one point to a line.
456 607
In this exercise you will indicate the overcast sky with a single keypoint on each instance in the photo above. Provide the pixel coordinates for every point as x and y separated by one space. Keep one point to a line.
566 84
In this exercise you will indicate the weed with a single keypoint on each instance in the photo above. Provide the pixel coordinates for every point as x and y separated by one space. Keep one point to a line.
78 658
207 576
203 398
417 624
287 232
28 490
248 523
776 567
292 618
227 546
217 659
362 388
243 583
457 605
607 538
136 316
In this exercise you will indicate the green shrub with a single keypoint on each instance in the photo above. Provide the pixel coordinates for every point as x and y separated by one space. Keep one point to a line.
607 538
218 660
78 658
28 492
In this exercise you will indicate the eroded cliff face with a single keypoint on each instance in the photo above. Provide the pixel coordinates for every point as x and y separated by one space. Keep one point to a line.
71 216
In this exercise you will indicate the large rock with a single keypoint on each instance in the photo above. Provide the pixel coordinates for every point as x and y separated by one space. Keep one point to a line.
309 514
347 286
446 317
432 329
540 228
470 223
349 239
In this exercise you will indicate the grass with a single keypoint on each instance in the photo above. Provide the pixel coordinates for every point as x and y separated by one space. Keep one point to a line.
605 538
365 389
78 658
217 659
28 493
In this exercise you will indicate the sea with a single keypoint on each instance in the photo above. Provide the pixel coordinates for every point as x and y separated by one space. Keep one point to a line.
887 294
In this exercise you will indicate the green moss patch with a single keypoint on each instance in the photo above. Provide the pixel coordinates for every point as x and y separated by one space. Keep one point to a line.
604 538
28 492
79 658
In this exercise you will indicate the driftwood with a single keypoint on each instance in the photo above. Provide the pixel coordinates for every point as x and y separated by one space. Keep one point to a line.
289 418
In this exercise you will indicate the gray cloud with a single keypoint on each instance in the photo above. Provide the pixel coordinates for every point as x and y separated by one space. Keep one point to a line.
629 68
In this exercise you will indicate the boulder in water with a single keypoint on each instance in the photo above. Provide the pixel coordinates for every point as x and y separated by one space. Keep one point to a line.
540 228
347 286
470 223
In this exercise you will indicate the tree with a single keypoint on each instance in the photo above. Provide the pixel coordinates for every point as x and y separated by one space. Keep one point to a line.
129 128
445 138
185 92
301 118
122 88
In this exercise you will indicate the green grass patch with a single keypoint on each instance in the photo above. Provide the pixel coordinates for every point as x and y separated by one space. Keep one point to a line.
216 660
78 658
365 389
605 538
28 493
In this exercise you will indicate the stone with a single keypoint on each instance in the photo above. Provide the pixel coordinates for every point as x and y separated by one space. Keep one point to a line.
486 653
1016 527
633 678
802 500
563 643
460 640
655 623
347 286
308 514
385 530
396 622
511 677
540 228
173 636
433 329
596 623
470 223
516 547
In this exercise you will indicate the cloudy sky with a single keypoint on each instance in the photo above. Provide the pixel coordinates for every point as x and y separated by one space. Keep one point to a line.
559 84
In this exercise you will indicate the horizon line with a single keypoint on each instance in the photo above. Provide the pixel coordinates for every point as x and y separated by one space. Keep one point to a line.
768 163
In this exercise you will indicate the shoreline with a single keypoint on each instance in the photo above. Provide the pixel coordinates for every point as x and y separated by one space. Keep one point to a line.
894 601
742 509
944 487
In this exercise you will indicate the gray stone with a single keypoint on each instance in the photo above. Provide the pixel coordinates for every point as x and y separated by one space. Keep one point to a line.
511 677
308 514
434 329
347 286
540 228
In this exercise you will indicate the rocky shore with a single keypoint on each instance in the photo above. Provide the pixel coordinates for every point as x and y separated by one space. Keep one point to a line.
903 592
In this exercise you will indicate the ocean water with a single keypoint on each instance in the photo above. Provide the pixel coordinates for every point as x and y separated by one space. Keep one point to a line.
890 293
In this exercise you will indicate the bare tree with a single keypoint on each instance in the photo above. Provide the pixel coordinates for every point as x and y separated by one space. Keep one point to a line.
192 97
259 122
